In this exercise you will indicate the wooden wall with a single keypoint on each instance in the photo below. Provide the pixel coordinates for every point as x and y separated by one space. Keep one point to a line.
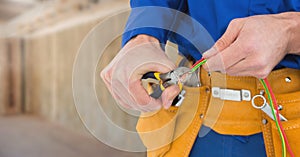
50 53
3 76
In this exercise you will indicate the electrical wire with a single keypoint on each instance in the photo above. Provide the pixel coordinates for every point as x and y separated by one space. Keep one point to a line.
274 107
276 119
198 64
272 99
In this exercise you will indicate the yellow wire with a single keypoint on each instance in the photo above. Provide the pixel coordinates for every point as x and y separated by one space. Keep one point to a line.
275 117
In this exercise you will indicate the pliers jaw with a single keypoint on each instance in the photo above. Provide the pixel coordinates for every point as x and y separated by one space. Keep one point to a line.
179 76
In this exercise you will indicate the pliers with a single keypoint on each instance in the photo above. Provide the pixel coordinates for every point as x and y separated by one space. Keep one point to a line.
155 83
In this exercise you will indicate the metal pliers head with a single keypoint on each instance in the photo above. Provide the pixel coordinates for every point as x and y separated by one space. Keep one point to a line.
155 83
177 76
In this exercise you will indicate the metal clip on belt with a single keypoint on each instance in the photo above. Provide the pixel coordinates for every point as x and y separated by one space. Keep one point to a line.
230 94
265 107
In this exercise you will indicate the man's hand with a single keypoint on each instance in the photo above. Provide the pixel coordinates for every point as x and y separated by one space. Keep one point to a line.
253 46
123 75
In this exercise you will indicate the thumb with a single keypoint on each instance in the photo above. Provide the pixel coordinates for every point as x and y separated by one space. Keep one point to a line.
227 38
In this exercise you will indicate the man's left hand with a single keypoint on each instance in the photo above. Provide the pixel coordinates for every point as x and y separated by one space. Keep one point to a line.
252 46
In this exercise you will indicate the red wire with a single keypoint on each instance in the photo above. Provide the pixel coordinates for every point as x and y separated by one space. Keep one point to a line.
198 62
277 116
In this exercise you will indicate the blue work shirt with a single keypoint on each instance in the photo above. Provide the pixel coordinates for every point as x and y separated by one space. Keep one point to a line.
214 16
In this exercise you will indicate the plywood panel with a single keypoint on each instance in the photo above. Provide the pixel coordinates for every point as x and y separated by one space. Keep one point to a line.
67 43
3 76
50 56
15 53
38 73
49 64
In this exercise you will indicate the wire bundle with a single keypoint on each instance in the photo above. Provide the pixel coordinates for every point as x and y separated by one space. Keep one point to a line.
275 113
274 107
198 64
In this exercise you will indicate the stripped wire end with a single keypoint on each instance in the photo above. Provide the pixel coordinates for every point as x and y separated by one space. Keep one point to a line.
198 64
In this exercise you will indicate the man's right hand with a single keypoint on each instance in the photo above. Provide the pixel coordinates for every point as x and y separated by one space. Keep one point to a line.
123 75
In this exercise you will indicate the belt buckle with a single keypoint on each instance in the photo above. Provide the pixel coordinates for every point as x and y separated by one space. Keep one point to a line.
231 94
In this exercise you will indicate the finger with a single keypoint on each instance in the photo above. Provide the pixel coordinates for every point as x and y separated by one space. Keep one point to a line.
124 98
209 53
230 34
162 67
158 61
138 92
114 62
121 95
145 102
132 93
169 95
215 63
225 41
106 79
120 101
154 105
227 58
248 67
105 75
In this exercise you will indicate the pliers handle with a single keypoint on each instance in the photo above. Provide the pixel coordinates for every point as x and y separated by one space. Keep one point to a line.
152 84
158 82
155 83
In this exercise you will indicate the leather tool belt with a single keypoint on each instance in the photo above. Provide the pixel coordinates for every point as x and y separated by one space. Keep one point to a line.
172 132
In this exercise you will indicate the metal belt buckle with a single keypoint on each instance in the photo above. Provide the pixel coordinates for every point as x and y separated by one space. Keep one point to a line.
231 94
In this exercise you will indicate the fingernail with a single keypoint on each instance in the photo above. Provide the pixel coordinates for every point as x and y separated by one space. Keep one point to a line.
212 51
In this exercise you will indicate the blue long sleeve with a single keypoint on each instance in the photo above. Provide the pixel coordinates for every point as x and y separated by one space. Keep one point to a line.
213 15
160 34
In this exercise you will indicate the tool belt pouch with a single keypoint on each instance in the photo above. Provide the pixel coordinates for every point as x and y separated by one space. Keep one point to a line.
289 99
156 130
291 110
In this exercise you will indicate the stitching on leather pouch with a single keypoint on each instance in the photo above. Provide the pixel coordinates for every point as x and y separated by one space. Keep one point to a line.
288 101
240 78
197 122
289 127
233 77
283 74
231 122
191 137
292 127
281 71
269 143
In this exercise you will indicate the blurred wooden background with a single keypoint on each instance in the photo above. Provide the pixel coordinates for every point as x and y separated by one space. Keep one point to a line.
37 54
36 59
38 48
